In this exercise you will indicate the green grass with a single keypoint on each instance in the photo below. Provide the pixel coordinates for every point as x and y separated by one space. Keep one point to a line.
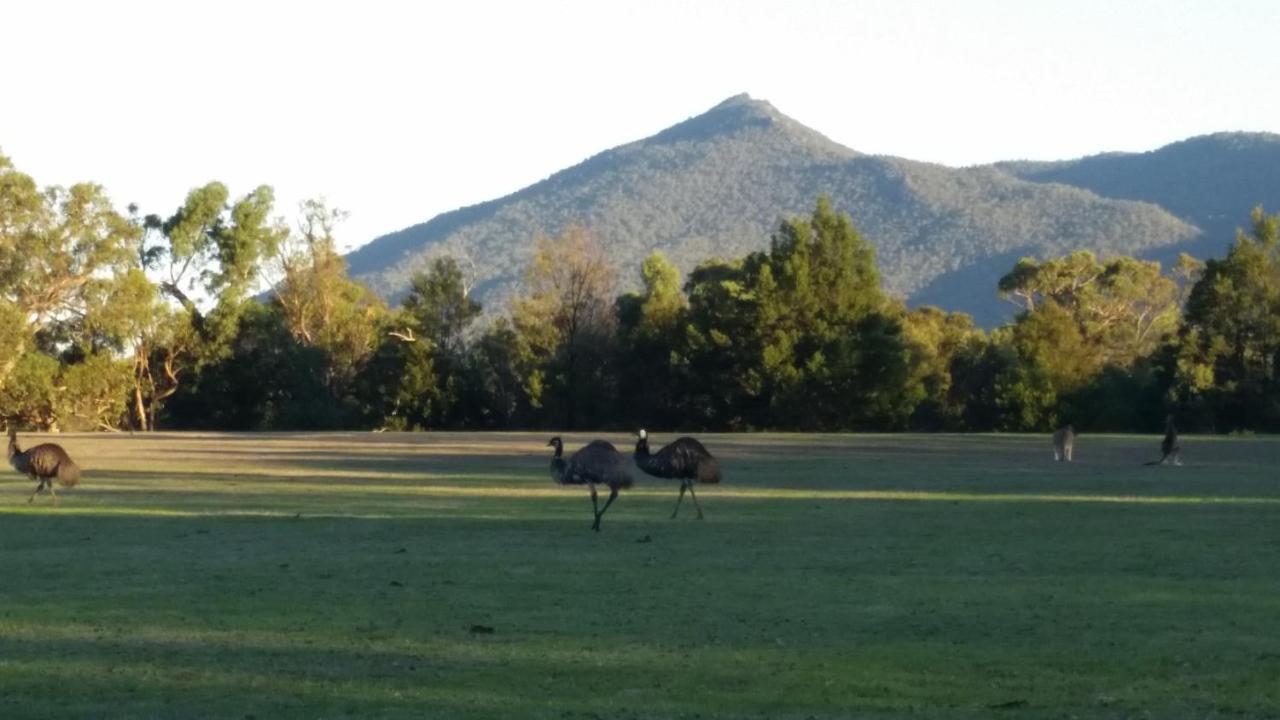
323 576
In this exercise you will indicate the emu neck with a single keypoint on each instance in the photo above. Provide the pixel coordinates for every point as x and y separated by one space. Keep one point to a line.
642 448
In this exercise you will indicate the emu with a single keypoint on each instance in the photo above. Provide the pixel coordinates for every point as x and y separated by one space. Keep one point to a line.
598 463
44 463
1064 440
1170 447
684 459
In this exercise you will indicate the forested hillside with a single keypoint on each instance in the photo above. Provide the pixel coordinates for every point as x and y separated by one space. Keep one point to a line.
718 184
1210 181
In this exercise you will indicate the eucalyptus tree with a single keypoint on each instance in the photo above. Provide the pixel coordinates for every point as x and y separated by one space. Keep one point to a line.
208 256
566 323
62 250
1230 340
53 244
321 305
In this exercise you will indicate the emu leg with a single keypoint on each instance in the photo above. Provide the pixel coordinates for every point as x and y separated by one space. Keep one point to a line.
52 493
684 484
695 499
613 495
39 487
595 509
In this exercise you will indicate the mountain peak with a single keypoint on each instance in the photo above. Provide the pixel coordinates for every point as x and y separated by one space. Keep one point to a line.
741 113
744 102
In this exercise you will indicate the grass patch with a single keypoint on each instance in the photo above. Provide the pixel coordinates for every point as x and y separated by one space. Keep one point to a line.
944 576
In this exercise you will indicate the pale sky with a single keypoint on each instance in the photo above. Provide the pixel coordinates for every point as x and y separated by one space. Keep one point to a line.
398 111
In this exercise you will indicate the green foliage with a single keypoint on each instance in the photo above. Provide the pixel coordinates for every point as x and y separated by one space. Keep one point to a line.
567 326
935 338
1231 334
650 362
215 250
58 249
265 380
94 393
399 388
29 395
1120 399
1125 307
823 330
417 376
722 360
503 387
439 306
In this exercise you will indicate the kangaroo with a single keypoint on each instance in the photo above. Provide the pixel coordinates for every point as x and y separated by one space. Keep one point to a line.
1170 447
1064 440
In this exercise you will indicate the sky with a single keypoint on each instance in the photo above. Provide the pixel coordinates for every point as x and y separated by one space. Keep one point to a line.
398 111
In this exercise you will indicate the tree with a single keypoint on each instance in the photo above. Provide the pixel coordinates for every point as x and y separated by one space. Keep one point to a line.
721 361
439 306
566 321
1230 338
1054 358
935 338
649 348
498 388
823 325
321 306
207 253
1125 307
416 377
56 246
264 380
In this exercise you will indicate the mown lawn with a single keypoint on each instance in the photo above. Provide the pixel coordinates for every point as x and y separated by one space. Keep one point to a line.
342 575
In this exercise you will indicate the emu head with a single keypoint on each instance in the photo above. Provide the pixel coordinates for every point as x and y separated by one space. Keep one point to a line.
642 434
556 443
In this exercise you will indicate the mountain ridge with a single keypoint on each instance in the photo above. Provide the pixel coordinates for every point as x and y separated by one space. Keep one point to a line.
718 183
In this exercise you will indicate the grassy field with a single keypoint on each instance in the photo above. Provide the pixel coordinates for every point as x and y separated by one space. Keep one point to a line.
868 576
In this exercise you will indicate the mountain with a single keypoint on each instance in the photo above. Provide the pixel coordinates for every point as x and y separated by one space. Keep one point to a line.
1210 181
718 184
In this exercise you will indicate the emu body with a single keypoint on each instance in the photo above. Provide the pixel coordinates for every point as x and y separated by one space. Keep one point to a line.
684 459
597 463
44 463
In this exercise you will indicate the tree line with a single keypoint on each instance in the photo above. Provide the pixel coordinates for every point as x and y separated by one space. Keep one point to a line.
114 320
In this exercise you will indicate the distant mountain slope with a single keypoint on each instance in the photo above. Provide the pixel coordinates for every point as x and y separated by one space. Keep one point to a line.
717 185
1210 181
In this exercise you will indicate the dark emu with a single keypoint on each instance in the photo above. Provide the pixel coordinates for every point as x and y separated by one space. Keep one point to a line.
598 463
685 459
45 463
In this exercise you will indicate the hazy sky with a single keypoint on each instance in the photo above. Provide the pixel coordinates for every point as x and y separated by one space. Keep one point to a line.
399 111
